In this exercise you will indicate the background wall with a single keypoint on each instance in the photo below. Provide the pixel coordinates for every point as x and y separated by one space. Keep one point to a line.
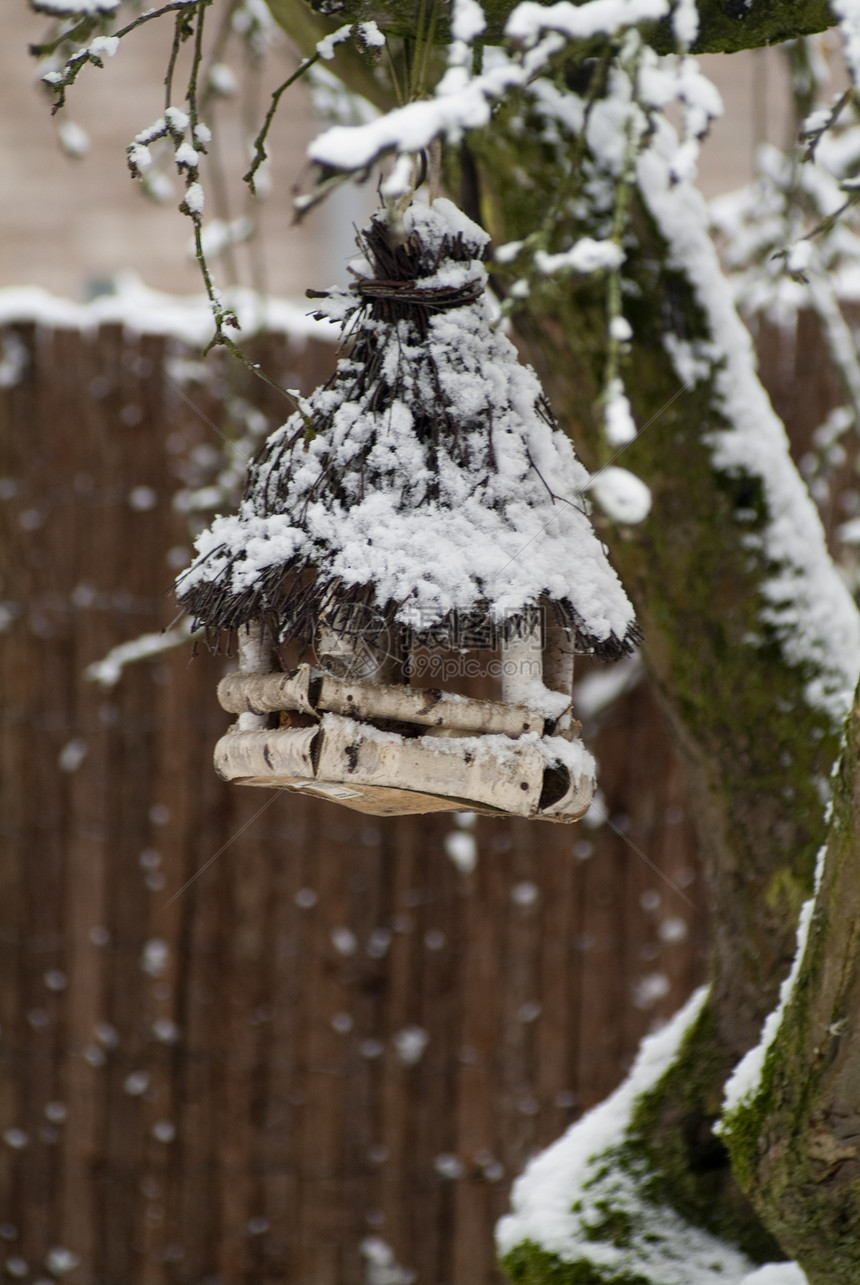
68 224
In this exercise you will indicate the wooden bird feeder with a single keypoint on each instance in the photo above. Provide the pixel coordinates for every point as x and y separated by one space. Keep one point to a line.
423 494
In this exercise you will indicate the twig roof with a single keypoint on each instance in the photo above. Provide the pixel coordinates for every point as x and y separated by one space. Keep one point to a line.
426 478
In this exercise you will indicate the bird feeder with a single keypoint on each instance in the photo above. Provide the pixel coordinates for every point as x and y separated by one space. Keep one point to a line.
420 502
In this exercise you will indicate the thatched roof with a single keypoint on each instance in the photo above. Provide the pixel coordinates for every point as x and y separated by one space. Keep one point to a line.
426 478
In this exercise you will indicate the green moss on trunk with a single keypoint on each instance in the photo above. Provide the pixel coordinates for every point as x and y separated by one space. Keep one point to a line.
528 1264
796 1144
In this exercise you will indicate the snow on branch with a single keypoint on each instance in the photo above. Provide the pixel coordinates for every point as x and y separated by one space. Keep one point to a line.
74 8
561 1200
462 102
415 126
529 21
585 1205
108 671
805 604
744 1082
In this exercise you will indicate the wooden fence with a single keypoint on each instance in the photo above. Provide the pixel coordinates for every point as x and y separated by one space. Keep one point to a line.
326 1058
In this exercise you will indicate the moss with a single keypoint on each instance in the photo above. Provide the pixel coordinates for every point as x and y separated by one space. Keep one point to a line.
784 888
727 26
528 1264
688 1169
612 1226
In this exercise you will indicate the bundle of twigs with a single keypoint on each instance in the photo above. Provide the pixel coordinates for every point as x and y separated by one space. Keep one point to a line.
426 479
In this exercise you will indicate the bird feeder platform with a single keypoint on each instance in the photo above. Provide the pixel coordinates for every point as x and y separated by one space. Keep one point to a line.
423 498
486 756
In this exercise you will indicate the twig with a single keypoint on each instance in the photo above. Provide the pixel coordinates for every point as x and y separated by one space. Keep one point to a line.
260 153
815 136
181 33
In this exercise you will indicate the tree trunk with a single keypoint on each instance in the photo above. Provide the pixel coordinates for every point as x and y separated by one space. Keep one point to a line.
796 1143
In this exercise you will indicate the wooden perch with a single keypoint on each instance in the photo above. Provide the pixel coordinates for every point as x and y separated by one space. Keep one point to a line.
309 694
373 771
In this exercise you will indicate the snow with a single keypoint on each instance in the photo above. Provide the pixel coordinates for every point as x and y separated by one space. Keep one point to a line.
462 849
410 128
581 21
136 1084
326 46
410 1043
222 80
848 13
603 687
177 120
467 20
13 367
194 198
776 1274
155 957
743 1083
650 989
525 894
73 139
673 930
186 157
104 46
449 1166
72 754
72 7
507 253
806 602
622 496
461 101
61 1261
800 256
620 330
381 1267
685 22
620 425
587 255
662 1248
108 671
147 311
370 35
344 940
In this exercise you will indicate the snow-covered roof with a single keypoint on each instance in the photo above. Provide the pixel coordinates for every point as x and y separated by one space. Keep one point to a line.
427 478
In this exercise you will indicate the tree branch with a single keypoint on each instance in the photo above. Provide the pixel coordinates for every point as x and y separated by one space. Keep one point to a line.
725 26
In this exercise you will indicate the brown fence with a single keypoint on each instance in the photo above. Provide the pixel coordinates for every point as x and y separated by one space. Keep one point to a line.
334 1044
